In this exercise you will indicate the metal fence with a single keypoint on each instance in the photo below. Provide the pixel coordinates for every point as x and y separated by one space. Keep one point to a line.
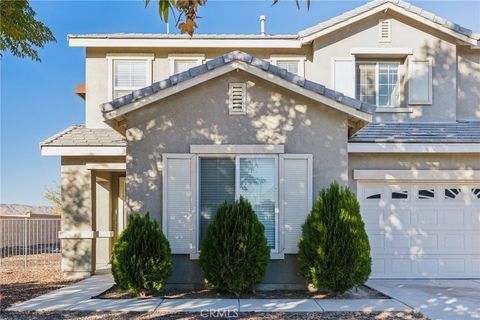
26 241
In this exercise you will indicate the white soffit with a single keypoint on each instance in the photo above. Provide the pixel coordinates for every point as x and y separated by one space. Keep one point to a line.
83 151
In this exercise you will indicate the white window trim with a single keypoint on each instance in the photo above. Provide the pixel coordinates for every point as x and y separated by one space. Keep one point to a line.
300 59
430 84
184 56
274 252
147 57
377 92
237 148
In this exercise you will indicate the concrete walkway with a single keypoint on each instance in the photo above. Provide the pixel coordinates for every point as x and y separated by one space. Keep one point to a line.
436 299
78 297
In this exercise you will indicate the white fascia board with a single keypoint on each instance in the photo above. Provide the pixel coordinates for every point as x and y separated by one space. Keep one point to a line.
390 52
104 166
414 148
83 151
240 65
236 149
310 36
417 175
187 43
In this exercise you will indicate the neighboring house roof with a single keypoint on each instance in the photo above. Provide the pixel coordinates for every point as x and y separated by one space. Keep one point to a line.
399 6
413 132
467 36
234 61
78 135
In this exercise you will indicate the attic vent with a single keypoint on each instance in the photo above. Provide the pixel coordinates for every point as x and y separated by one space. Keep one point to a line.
384 30
238 98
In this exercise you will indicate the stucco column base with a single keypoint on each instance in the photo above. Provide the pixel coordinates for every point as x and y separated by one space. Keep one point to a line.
76 275
78 258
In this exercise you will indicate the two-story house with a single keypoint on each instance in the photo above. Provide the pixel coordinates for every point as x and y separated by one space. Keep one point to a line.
384 99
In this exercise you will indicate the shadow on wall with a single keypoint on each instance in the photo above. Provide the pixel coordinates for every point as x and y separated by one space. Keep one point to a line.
275 116
76 199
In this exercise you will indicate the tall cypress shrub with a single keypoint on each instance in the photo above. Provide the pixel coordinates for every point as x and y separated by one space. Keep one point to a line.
334 251
142 259
234 254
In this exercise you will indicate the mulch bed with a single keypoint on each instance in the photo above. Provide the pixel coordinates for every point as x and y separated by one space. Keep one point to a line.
19 284
197 316
362 292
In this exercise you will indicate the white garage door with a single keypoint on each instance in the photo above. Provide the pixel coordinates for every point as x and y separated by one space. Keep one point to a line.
422 231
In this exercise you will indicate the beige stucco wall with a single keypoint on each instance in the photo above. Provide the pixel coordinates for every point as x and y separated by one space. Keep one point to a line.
97 69
468 84
426 43
200 116
411 161
86 201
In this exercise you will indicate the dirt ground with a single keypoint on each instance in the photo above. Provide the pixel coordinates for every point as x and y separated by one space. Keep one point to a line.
18 283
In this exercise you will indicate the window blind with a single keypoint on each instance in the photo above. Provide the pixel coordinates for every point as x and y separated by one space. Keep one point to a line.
217 184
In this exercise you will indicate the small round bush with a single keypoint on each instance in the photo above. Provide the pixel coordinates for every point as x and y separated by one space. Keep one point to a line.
142 259
334 252
234 254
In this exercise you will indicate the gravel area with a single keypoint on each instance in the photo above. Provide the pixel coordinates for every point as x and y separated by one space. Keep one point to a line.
192 316
21 284
362 292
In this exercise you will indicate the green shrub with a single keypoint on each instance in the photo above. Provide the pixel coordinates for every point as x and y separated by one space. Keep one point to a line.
334 252
142 259
234 253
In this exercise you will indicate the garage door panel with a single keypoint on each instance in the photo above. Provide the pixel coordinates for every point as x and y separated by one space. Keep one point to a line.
422 231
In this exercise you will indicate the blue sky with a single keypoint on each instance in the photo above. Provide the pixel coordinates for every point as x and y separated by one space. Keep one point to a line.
37 99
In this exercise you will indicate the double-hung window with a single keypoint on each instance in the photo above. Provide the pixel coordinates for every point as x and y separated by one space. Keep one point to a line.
226 178
183 62
293 64
128 74
378 83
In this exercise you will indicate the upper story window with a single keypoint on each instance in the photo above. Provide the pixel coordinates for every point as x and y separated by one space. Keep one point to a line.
377 83
183 62
293 64
128 73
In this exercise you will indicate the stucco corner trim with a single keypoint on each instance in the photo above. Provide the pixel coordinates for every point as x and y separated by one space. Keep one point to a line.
85 234
104 234
237 149
423 175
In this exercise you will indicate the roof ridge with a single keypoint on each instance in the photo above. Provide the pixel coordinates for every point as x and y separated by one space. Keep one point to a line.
246 58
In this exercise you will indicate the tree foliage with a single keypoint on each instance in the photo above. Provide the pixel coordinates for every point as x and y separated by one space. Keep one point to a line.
334 252
234 254
142 260
187 11
20 32
54 196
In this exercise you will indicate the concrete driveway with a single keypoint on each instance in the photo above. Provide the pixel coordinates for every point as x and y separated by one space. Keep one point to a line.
436 299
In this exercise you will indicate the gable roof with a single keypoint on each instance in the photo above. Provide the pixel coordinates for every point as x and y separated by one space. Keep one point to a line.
237 60
402 7
464 35
419 132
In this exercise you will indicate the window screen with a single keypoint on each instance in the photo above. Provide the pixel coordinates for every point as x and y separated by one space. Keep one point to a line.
257 184
290 65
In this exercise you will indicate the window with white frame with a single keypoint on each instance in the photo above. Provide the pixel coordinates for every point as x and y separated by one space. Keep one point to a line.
183 62
226 178
128 73
292 64
378 83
